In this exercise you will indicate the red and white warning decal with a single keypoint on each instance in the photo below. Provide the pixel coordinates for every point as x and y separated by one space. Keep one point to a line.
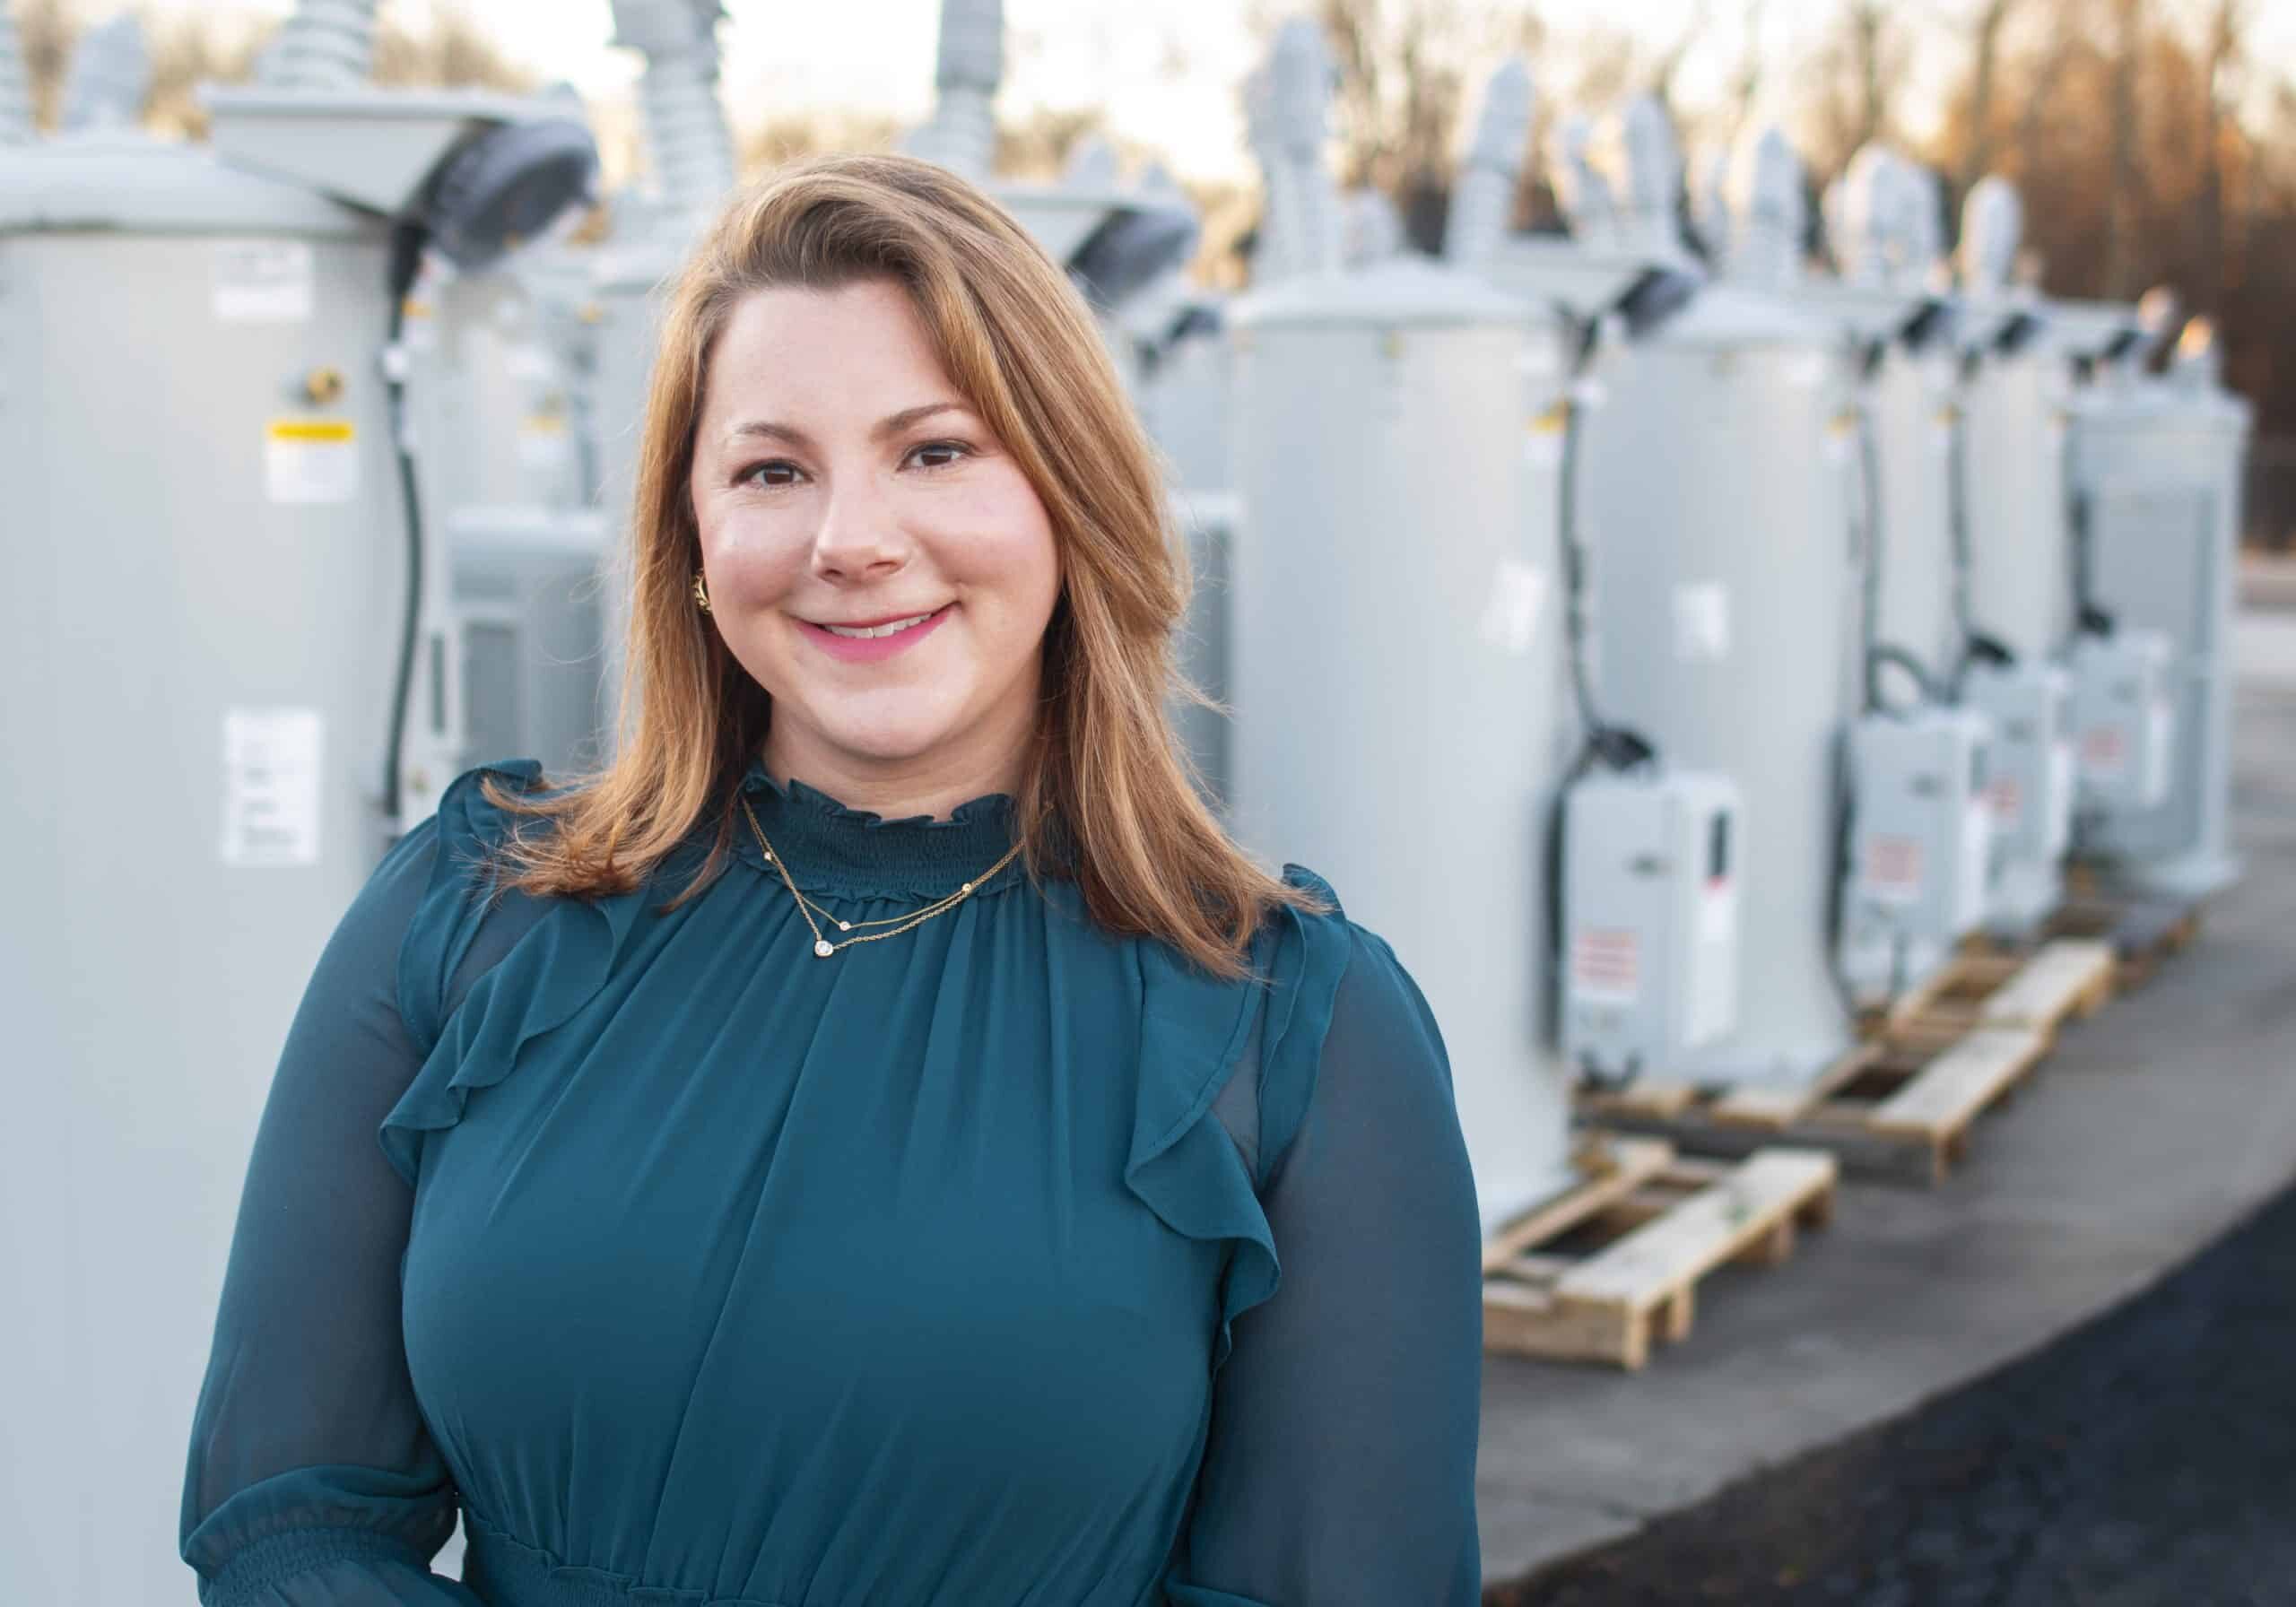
1893 870
2008 801
2104 752
1605 965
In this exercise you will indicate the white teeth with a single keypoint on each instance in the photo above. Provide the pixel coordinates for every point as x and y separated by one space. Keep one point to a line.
868 632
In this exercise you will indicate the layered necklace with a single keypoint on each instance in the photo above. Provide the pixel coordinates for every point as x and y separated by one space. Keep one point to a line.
899 923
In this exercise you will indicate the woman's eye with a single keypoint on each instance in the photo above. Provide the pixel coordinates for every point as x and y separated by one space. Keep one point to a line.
771 475
939 455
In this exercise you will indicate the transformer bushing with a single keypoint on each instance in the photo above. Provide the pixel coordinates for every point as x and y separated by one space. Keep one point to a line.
1483 202
962 133
16 100
111 73
687 142
325 44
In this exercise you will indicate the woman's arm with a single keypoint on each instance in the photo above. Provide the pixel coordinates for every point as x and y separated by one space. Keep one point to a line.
1340 1470
312 1480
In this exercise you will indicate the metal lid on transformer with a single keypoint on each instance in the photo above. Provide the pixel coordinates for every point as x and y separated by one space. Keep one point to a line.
1407 291
105 174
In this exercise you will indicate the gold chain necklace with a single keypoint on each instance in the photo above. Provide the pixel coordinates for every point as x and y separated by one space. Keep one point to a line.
823 947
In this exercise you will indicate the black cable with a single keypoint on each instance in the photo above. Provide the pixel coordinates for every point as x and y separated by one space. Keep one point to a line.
407 240
1870 527
1614 747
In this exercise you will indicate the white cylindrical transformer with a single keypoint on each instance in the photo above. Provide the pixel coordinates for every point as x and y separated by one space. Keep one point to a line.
2016 408
206 571
1714 483
1910 401
2159 463
1395 660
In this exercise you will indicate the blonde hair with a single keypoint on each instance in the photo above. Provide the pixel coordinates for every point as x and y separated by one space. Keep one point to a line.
1106 797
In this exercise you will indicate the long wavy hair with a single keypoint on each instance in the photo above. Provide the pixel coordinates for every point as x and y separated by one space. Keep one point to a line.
1107 797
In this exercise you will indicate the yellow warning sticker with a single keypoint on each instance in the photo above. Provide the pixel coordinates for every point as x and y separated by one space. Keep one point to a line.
311 429
308 461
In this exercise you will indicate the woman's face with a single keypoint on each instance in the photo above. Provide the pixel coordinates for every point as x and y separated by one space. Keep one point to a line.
876 560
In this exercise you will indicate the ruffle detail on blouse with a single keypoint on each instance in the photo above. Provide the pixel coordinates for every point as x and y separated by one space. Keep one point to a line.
562 962
1192 1029
312 1516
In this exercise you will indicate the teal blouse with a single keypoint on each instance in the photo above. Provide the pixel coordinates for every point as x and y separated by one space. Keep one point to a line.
1002 1263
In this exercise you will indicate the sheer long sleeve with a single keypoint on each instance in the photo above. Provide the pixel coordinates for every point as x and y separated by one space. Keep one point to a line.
1339 1470
312 1480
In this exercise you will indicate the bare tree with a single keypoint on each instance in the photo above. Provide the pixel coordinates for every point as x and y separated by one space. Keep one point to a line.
2120 199
1984 54
2219 63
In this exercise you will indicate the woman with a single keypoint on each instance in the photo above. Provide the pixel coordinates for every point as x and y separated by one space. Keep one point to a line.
878 1144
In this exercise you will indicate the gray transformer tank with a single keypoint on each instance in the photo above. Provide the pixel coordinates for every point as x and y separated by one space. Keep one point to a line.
1395 661
206 556
1715 473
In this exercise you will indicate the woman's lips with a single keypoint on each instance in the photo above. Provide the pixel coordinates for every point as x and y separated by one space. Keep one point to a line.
872 649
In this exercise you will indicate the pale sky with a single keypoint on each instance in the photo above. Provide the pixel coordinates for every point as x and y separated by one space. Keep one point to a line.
1166 71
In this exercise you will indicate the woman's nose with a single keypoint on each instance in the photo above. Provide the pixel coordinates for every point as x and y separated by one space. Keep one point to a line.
858 538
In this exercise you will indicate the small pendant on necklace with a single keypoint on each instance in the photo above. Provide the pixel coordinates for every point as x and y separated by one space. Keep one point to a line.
844 925
823 950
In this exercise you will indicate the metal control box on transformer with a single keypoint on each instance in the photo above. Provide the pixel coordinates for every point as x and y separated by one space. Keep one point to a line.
2123 724
1650 962
1921 843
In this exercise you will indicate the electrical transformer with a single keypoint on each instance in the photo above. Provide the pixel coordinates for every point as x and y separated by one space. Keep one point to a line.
1650 960
1920 846
204 558
1716 476
2158 466
1394 656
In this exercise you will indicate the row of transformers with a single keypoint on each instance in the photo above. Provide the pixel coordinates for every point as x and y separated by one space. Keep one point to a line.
1674 649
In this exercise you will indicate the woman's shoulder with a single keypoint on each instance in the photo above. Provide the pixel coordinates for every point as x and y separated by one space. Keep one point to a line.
1371 987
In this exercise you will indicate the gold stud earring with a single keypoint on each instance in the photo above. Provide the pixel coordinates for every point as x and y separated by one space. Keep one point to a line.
701 592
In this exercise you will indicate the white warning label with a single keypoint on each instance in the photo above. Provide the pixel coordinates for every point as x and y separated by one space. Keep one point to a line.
271 786
1510 614
2008 801
1605 965
261 282
1702 622
1893 870
308 461
2104 752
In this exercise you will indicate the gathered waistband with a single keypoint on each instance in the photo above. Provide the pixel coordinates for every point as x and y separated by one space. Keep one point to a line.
506 1572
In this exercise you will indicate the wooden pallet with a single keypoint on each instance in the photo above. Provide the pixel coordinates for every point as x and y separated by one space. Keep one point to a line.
2064 979
1903 1108
1611 1268
2140 932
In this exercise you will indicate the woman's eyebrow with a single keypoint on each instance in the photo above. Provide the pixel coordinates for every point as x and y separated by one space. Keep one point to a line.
891 425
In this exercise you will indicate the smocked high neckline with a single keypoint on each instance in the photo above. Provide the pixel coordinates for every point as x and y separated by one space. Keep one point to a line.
828 847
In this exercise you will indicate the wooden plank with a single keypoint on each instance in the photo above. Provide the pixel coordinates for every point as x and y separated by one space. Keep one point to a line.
1962 1082
1643 1097
1629 1163
1522 1322
1773 1107
1653 1263
2066 976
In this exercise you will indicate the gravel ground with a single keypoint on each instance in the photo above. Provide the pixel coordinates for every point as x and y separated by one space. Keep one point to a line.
2148 1456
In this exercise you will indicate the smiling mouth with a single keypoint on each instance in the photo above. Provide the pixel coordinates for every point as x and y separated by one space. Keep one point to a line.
862 633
